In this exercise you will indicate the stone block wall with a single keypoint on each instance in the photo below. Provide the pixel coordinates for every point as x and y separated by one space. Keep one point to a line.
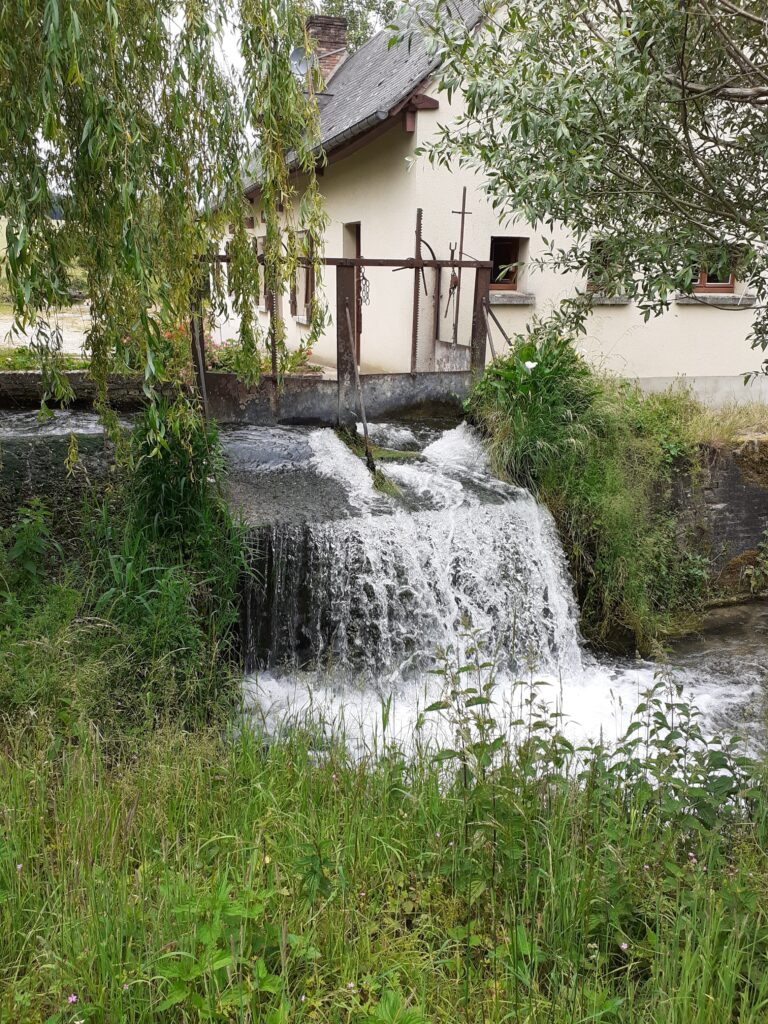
726 505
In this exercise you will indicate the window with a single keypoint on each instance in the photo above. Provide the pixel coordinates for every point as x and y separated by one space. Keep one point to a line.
605 276
303 285
506 259
720 282
597 272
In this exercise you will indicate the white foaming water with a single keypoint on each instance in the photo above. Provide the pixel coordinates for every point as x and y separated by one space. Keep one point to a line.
352 612
332 458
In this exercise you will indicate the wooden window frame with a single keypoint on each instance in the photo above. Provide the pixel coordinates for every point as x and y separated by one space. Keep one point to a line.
705 287
507 286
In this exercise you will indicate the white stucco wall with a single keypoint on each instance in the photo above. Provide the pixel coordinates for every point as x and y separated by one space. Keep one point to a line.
378 187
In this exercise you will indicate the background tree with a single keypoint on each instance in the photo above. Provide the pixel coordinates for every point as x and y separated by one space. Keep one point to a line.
123 110
364 17
640 123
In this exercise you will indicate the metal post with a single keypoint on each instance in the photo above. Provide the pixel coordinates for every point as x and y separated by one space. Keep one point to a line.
463 213
488 332
358 387
345 346
436 299
416 297
479 329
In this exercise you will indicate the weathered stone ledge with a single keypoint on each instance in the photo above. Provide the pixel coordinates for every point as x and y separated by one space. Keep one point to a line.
22 389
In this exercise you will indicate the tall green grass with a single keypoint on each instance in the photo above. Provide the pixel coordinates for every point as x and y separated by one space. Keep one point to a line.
237 877
123 613
601 455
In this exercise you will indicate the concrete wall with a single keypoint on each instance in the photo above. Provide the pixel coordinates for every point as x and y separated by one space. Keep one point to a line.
312 400
381 186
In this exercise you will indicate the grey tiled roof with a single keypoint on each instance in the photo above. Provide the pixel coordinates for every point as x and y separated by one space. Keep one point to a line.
371 82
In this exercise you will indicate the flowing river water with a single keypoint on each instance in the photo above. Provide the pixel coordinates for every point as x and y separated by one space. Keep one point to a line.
355 592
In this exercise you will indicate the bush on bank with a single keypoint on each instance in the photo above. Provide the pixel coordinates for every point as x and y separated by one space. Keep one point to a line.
600 454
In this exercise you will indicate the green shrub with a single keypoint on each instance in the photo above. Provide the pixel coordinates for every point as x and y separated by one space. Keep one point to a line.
137 624
600 455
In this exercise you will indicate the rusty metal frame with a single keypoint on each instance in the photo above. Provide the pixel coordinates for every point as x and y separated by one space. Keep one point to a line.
346 364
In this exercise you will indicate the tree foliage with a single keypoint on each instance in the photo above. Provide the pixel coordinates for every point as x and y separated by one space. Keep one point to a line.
125 113
640 123
364 17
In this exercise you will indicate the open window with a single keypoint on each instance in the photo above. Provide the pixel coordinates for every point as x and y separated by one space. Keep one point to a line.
713 282
605 276
507 256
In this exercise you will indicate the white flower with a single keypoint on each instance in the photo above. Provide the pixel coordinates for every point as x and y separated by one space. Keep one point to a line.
529 365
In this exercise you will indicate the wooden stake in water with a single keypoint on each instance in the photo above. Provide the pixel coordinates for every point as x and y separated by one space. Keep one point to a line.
368 454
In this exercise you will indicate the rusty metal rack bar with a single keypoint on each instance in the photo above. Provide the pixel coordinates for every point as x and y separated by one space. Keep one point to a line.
346 360
409 263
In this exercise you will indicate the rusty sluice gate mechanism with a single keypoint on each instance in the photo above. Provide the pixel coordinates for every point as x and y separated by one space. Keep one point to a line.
353 288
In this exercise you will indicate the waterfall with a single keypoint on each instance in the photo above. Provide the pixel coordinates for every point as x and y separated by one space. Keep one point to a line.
387 587
354 593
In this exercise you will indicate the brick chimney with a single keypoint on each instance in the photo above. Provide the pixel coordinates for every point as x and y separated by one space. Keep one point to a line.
329 39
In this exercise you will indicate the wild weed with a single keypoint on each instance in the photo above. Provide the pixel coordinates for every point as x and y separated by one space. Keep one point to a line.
507 876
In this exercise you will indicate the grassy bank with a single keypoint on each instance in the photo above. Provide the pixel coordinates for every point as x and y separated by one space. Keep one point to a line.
602 455
121 611
161 864
195 876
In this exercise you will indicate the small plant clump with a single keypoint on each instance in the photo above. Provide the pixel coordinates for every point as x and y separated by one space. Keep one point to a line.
601 455
227 356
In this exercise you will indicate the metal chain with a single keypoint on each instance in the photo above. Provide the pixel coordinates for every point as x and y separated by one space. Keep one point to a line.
365 288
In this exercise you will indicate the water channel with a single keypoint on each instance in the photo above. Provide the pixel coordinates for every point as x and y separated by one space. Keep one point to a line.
356 592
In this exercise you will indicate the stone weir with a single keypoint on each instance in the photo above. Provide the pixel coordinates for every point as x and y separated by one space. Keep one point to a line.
309 399
726 506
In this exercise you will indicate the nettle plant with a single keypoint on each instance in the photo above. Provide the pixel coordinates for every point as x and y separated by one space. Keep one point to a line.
123 142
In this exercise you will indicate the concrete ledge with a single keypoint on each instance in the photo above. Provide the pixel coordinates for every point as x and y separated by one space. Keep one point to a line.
724 301
505 298
611 300
23 389
314 401
712 391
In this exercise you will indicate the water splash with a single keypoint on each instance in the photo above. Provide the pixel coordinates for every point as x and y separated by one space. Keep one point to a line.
383 590
350 613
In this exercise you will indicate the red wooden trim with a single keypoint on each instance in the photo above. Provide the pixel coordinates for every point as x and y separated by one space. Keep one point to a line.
714 287
423 102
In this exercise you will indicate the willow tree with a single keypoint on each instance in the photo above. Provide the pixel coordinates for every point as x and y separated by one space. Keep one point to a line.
640 123
124 114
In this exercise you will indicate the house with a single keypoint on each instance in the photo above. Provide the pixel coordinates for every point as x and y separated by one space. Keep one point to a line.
380 104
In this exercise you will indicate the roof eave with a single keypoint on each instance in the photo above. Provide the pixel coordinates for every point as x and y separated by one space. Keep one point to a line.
327 147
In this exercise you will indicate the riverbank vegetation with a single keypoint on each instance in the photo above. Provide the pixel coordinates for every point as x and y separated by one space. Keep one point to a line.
602 456
205 875
161 861
119 612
